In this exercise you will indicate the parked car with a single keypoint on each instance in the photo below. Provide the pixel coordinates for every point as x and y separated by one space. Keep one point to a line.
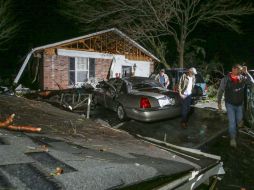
249 103
251 72
174 74
138 98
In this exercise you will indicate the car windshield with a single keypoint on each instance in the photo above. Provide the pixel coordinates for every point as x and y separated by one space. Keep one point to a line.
252 73
199 78
146 84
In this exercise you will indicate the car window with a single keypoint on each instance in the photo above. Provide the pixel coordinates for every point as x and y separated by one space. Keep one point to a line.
252 73
171 73
199 78
146 84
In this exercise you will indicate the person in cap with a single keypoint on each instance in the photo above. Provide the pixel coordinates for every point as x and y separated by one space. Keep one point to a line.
185 88
233 87
162 78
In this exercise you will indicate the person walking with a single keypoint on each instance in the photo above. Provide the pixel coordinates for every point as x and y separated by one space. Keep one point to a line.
162 78
185 87
233 87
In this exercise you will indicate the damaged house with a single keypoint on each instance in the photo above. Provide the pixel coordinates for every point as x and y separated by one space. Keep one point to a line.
101 55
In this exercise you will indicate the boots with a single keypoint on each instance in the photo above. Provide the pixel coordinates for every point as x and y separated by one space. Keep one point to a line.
233 143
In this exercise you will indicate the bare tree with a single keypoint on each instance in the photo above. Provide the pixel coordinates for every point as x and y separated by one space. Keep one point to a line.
8 28
150 21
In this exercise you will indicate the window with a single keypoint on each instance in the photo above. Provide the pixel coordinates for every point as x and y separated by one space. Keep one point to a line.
78 71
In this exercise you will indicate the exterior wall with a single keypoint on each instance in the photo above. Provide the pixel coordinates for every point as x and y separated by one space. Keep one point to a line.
102 67
56 69
152 67
143 68
55 72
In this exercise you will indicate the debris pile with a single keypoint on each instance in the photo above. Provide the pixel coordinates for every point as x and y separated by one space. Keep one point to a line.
9 120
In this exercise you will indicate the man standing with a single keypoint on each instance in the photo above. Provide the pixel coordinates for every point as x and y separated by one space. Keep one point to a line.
186 85
162 78
233 86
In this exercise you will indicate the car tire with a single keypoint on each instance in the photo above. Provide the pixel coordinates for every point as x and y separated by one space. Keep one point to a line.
121 113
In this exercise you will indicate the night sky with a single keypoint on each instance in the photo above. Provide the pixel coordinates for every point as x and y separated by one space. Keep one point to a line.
41 24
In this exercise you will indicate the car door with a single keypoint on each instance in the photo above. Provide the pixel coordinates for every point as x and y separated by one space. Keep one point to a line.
249 105
111 93
120 92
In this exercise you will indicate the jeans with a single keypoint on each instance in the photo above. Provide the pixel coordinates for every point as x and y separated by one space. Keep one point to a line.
186 103
235 116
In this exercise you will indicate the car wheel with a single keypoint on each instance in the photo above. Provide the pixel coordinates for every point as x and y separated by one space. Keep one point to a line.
121 113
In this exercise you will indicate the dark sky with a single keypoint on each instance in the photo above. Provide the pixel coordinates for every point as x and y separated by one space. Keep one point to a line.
42 25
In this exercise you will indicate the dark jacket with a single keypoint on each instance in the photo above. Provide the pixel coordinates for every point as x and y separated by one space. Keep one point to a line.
234 92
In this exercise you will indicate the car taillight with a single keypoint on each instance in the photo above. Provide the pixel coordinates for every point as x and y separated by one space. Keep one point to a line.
206 88
145 103
175 89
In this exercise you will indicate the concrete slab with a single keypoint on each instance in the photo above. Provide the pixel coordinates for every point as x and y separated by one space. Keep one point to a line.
205 124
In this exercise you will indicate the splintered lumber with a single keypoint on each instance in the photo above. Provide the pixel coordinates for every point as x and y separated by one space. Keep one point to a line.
8 121
23 128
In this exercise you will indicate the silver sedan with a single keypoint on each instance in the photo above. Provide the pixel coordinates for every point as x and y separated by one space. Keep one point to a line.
138 98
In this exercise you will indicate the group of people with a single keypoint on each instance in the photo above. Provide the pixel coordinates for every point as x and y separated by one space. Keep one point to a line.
232 86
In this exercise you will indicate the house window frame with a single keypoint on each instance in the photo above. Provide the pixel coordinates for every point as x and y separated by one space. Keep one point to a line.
78 84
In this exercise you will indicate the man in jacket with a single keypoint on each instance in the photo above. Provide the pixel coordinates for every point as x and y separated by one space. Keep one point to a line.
232 86
185 87
162 78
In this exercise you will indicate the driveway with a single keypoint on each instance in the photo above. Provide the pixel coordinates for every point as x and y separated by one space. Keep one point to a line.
205 124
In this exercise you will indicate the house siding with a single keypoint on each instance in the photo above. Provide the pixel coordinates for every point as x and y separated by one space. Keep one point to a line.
151 67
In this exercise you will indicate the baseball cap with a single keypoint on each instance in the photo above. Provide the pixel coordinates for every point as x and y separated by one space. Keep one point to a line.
238 66
192 69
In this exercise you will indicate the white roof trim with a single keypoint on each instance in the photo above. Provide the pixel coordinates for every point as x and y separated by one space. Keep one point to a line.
79 38
98 33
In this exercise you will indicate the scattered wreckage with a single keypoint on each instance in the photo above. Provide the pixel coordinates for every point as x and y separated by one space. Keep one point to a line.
7 124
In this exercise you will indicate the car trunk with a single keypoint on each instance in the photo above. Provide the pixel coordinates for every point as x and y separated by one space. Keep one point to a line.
157 94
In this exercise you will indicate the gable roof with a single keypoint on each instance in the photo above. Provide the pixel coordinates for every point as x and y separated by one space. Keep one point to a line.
134 43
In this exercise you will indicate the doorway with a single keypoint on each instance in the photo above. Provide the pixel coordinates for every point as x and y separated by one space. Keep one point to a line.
126 71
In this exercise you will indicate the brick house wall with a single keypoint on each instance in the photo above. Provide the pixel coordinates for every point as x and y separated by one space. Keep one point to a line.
55 72
102 67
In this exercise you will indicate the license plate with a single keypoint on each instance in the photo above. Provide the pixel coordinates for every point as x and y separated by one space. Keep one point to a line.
163 102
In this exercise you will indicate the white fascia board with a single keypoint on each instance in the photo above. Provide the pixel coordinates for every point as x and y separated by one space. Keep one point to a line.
16 80
87 54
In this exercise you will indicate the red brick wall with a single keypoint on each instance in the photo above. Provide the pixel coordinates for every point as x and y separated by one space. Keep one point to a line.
55 71
102 67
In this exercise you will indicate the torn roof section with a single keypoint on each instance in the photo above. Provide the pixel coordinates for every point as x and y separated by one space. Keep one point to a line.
79 43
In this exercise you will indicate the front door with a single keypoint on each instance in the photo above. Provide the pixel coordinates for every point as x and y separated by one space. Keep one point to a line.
126 71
